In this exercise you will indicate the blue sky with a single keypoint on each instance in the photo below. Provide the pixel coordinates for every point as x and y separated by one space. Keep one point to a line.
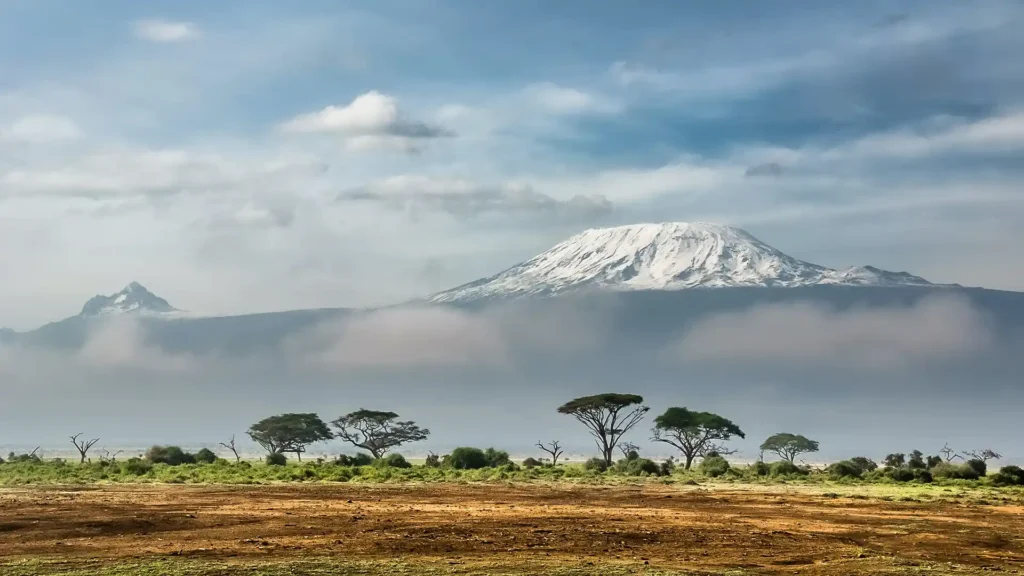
244 156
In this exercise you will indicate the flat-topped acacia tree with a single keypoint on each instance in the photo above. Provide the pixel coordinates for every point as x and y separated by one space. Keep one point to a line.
289 433
608 417
788 446
694 433
377 431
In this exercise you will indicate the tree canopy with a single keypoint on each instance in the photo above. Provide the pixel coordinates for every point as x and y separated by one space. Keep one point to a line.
289 433
788 446
608 417
377 432
694 433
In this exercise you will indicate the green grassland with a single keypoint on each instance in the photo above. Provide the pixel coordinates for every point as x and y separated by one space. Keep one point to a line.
57 472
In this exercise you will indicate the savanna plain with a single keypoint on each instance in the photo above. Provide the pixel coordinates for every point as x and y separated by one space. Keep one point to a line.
509 524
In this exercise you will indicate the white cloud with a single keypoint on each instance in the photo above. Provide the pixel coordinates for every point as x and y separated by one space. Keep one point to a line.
406 338
119 342
708 78
685 176
940 137
41 129
165 30
994 134
561 100
466 198
935 328
124 172
371 121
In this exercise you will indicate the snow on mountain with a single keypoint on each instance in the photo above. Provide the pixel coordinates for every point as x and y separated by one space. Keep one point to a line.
666 256
133 299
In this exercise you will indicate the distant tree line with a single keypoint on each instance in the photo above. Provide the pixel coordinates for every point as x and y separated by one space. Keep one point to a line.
608 418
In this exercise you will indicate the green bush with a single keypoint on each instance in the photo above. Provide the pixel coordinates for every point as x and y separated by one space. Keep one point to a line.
761 468
595 464
16 458
1009 476
667 467
170 455
395 461
900 474
637 467
949 471
844 469
713 466
205 456
467 458
532 463
432 461
916 461
978 465
907 474
864 464
496 458
276 459
136 467
360 459
786 468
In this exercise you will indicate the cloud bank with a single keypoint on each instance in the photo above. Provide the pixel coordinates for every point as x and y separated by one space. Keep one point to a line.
938 328
466 199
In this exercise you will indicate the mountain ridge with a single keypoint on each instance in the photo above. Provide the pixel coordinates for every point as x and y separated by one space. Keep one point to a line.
664 256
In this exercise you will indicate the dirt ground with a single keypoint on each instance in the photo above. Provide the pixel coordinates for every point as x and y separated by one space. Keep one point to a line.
692 529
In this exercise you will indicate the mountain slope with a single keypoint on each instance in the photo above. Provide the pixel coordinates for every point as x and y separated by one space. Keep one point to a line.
132 299
666 256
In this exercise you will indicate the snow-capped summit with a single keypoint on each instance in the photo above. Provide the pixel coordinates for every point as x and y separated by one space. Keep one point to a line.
132 299
665 256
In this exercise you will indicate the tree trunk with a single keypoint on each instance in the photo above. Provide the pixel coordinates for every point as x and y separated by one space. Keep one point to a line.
298 455
82 461
689 461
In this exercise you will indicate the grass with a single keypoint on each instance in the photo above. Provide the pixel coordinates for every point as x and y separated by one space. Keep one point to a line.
310 567
334 567
57 472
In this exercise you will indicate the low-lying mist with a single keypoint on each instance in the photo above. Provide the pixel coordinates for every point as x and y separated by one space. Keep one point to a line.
861 375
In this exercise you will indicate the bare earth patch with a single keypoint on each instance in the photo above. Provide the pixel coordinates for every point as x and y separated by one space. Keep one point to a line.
528 528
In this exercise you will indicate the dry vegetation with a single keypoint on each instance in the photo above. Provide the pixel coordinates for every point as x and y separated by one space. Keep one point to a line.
499 528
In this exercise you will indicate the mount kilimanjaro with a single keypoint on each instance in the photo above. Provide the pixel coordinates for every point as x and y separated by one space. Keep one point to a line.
658 278
667 256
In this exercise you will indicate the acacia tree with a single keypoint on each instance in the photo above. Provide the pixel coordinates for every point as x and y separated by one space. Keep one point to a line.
289 433
83 446
554 448
608 417
627 448
376 431
984 455
695 434
230 445
108 457
895 460
788 446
